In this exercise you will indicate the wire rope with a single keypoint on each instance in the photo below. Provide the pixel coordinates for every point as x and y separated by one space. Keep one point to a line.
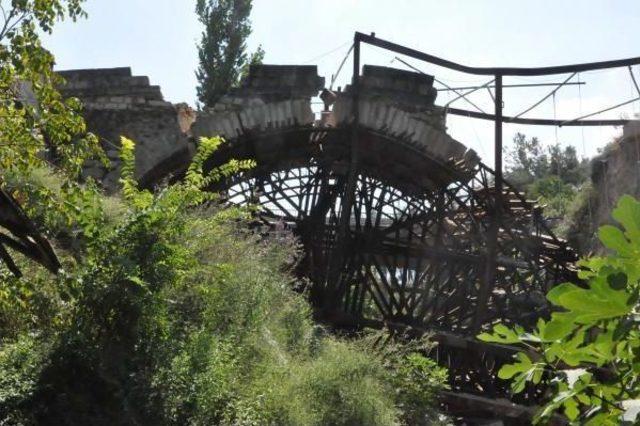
335 76
327 53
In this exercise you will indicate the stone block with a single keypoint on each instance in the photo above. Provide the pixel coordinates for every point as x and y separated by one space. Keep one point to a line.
631 129
409 90
277 82
159 103
95 73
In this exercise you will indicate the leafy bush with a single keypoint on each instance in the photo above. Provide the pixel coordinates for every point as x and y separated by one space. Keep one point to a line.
21 363
590 348
170 312
37 125
555 194
577 224
166 312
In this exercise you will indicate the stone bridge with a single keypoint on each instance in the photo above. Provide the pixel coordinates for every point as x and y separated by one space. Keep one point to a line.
393 213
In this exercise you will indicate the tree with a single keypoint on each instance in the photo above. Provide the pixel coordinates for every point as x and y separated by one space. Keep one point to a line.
553 175
41 133
34 119
526 161
166 310
222 49
565 164
554 193
588 353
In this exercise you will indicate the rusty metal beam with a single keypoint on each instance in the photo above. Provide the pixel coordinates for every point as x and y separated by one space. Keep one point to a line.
535 121
337 258
508 86
504 71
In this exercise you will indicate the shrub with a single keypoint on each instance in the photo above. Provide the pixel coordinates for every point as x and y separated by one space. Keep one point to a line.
170 312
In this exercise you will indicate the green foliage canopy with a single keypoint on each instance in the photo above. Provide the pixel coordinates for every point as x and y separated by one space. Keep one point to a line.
554 175
528 160
34 119
170 313
39 130
222 49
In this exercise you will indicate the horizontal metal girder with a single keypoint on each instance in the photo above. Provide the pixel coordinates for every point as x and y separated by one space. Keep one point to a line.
505 71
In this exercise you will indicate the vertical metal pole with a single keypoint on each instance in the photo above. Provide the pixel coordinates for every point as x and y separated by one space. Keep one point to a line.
355 79
339 254
498 136
488 278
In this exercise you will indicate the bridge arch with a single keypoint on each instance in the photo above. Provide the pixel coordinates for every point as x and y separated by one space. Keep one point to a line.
413 244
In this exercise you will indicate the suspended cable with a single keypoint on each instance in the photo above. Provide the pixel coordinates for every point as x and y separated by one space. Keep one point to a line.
464 95
327 53
451 80
555 117
636 142
536 121
536 79
552 93
633 88
479 142
633 78
505 86
335 76
493 98
440 82
564 123
584 154
584 149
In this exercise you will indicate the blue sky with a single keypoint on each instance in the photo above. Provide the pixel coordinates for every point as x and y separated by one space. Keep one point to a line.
158 38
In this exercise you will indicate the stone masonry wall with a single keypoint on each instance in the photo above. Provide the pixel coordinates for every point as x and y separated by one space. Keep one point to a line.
614 173
116 103
271 97
397 103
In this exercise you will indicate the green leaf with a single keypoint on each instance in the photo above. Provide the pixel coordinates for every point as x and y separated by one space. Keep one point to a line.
622 328
556 292
584 399
614 239
598 302
571 409
134 279
501 334
509 370
603 419
561 325
627 213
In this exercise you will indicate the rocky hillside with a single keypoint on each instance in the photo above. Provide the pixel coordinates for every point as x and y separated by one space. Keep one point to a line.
614 173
